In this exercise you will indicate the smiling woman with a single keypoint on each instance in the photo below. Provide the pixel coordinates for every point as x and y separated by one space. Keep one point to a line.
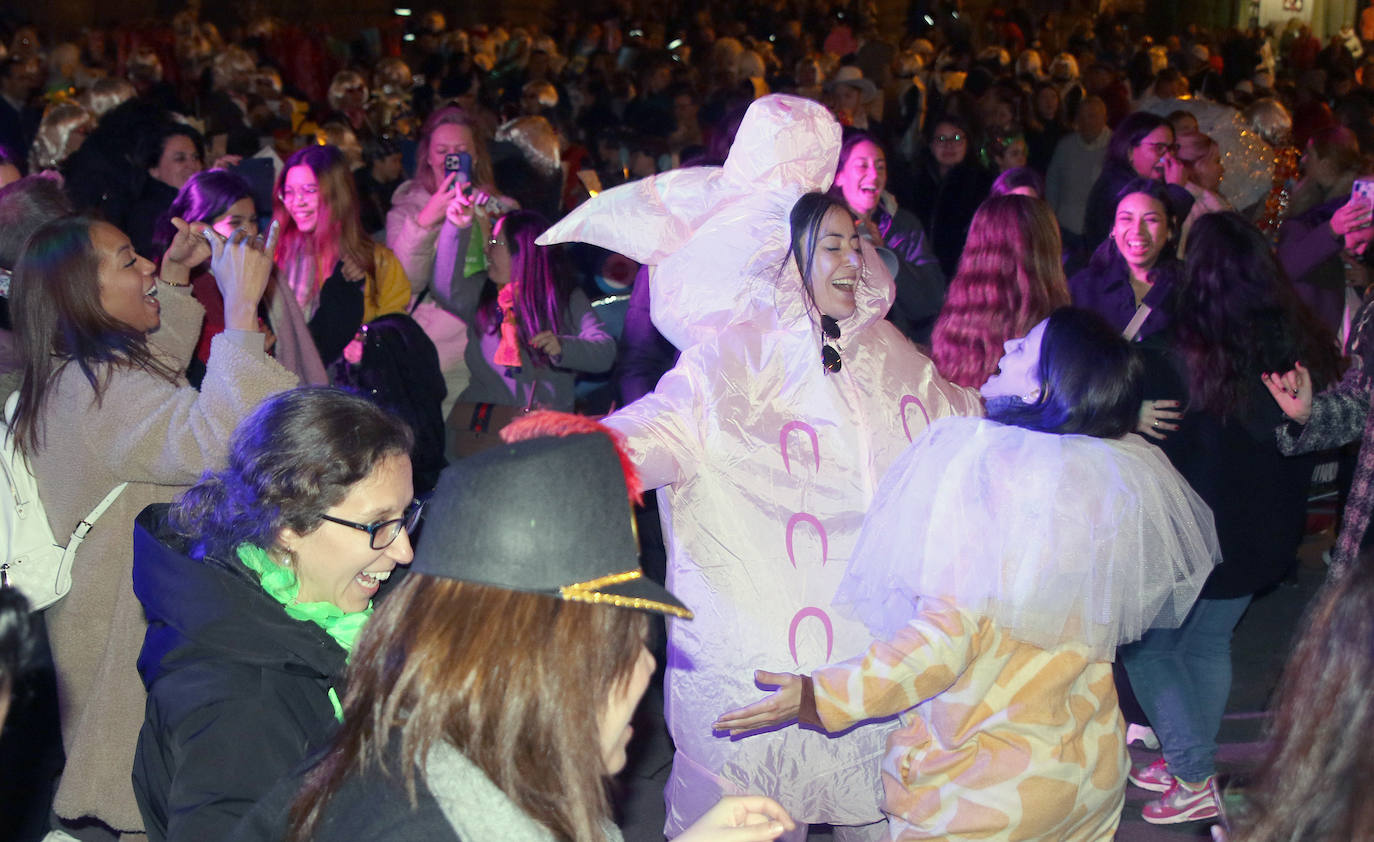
1128 279
101 404
255 583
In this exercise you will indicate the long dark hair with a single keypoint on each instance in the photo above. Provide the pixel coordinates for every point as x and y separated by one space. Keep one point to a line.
1091 380
59 320
1107 258
499 675
1314 782
1235 316
1127 136
805 220
293 458
543 291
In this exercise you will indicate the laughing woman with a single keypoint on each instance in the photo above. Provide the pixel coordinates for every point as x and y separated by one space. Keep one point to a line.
103 403
256 582
341 279
1129 278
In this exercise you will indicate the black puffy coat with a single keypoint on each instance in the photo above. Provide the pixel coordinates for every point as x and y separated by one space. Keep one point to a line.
238 692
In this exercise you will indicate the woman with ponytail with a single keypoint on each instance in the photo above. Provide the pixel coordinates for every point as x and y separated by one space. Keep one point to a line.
256 582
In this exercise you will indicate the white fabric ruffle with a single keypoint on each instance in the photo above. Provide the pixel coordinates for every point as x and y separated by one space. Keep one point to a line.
1058 539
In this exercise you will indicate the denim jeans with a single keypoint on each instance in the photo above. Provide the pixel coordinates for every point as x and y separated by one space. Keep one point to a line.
1182 677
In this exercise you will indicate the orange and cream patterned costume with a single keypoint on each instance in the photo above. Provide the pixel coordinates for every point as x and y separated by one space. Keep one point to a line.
1015 741
999 568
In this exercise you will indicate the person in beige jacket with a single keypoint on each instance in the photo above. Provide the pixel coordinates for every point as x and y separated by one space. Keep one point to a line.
104 401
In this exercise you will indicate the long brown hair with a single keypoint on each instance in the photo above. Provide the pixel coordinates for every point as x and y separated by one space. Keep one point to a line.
498 674
59 320
1314 782
1009 279
338 227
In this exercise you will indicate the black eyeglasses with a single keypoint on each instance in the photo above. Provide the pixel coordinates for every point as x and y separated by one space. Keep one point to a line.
1160 147
384 532
830 354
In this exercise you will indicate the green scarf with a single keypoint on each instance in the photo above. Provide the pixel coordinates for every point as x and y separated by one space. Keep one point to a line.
281 584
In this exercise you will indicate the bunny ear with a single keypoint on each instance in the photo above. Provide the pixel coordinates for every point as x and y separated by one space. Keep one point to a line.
716 234
645 220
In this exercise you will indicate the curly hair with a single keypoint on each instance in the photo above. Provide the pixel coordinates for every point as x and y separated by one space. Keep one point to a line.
1236 317
297 455
1009 279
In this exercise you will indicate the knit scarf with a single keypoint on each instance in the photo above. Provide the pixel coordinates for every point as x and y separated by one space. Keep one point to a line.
281 584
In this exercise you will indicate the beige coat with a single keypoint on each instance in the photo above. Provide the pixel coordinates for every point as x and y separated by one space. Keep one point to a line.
160 438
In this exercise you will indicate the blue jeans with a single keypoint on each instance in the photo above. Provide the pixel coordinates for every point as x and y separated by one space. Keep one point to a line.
1182 677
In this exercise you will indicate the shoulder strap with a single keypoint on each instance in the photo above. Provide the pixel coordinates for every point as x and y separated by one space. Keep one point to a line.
1137 321
64 570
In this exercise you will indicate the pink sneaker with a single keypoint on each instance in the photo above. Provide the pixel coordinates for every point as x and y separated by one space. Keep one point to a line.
1182 803
1155 777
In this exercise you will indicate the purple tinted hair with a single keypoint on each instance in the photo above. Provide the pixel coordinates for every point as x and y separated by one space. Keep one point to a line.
205 196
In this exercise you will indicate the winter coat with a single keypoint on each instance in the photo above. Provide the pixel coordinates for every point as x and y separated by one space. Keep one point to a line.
159 437
238 691
1310 254
946 205
412 242
587 347
454 801
1258 496
1104 286
921 283
1340 415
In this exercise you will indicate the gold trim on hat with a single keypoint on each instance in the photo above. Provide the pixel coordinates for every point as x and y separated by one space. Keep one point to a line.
587 592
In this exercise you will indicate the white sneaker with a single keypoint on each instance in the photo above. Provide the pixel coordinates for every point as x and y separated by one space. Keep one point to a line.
1143 734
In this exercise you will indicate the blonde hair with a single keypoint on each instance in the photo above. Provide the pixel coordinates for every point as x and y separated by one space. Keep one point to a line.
59 135
106 94
1194 146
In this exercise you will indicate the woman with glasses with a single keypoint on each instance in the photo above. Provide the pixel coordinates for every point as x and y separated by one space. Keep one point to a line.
1142 146
949 187
256 582
340 277
530 331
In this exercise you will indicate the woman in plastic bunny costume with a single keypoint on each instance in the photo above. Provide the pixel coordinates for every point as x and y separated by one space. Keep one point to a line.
768 439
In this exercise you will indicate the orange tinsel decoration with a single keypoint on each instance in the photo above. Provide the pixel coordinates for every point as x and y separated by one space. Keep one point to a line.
1276 204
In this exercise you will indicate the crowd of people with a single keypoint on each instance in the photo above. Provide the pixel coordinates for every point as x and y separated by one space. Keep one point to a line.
955 357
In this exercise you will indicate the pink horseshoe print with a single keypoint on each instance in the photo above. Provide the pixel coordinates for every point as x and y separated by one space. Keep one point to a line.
825 622
805 428
803 517
901 410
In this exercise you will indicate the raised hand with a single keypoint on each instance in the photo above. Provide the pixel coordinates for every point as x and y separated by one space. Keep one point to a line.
242 266
433 211
187 250
1292 391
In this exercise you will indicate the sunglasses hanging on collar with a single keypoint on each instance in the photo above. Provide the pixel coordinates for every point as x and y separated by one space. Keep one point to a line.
830 354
